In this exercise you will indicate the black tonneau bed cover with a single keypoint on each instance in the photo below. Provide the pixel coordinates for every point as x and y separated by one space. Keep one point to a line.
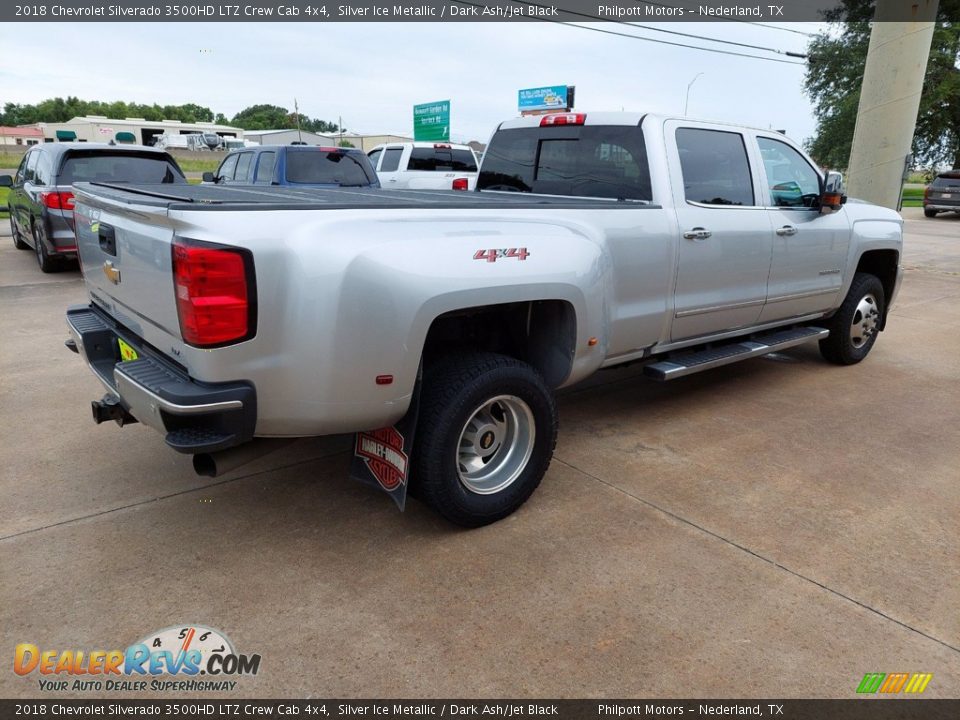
248 197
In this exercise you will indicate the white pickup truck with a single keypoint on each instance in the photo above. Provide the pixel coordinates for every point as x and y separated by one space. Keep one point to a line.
223 316
425 166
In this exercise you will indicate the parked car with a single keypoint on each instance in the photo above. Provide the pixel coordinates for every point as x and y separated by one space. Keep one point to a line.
425 166
41 196
298 165
460 313
943 194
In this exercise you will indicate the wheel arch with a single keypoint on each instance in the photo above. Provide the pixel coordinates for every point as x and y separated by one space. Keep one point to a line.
883 265
542 333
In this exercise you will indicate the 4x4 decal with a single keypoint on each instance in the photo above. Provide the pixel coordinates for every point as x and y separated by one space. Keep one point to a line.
493 254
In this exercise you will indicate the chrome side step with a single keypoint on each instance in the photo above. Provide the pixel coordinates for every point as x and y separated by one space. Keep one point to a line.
688 363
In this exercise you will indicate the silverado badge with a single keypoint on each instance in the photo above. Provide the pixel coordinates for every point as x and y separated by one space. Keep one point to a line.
112 273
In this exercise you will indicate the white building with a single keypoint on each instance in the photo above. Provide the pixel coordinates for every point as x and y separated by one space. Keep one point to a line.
138 131
288 137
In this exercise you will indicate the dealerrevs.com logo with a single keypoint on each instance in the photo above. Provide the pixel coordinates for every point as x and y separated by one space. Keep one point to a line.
199 658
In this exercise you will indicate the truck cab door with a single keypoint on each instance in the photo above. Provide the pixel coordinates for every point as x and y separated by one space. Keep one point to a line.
389 172
809 248
726 239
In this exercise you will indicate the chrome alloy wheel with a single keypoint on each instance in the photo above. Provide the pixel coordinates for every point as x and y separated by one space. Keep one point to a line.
495 444
865 318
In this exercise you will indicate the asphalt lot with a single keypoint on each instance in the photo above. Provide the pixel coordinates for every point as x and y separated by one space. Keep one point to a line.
776 528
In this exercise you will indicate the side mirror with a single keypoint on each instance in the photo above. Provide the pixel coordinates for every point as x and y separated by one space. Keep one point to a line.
209 177
832 196
6 181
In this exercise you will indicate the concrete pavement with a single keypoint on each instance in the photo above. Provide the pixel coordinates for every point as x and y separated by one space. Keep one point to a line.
775 528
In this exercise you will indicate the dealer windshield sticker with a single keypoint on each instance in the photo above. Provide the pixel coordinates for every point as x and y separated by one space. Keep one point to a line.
187 658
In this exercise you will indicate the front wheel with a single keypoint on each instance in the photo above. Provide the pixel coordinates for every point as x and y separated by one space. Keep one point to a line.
853 330
485 437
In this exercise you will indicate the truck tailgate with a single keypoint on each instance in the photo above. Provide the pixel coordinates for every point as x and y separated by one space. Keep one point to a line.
125 254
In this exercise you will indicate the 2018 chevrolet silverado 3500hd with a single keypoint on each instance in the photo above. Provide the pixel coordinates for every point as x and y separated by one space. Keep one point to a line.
222 316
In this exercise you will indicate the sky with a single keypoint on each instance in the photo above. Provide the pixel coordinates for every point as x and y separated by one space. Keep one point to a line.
371 74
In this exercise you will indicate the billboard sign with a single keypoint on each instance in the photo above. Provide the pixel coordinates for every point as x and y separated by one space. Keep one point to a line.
431 121
543 98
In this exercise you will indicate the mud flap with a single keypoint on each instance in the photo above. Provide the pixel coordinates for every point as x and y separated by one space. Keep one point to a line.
382 457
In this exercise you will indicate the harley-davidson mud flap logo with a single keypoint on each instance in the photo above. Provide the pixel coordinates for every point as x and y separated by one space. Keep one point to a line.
382 457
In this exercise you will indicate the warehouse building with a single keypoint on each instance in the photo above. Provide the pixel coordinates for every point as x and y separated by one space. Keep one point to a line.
137 131
369 142
287 137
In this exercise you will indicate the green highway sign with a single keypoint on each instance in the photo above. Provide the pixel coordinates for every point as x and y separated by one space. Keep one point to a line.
431 121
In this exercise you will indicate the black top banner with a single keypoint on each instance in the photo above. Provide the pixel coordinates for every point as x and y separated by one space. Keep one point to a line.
318 11
338 709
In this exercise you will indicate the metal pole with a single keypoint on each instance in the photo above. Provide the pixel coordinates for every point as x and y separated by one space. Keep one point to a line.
686 102
889 101
296 112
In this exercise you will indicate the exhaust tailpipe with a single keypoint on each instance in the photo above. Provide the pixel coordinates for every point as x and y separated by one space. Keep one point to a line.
217 463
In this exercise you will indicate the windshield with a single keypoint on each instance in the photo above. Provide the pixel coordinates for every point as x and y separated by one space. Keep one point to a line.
119 167
322 167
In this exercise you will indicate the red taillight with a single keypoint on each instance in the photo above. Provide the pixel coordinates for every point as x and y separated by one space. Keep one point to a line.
442 146
461 184
563 119
57 200
926 192
213 294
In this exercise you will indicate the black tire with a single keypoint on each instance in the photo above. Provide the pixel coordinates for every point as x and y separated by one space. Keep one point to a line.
47 264
495 401
854 328
18 242
929 213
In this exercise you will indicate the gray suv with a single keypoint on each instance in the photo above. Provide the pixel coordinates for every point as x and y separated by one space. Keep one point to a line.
943 194
41 193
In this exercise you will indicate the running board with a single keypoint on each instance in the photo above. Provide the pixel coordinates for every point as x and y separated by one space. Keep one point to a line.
699 360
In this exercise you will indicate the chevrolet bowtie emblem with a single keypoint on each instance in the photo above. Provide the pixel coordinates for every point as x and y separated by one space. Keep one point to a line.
112 273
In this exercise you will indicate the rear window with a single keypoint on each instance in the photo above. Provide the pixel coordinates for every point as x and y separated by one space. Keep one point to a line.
947 180
118 167
441 160
588 161
319 167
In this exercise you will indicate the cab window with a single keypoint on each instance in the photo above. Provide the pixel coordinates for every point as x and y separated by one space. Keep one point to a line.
265 167
715 167
791 179
582 161
227 169
391 159
374 156
244 167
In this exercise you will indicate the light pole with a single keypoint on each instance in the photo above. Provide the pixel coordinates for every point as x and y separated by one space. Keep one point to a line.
686 102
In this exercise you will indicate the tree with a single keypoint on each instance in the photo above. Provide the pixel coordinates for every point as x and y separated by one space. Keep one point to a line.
63 109
263 117
274 117
835 72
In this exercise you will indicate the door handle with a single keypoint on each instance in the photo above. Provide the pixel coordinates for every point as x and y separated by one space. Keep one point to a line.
108 239
697 233
787 230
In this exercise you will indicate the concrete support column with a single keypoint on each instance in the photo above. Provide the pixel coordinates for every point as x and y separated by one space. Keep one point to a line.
889 100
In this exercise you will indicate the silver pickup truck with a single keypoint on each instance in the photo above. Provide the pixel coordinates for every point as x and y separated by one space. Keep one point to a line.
223 317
